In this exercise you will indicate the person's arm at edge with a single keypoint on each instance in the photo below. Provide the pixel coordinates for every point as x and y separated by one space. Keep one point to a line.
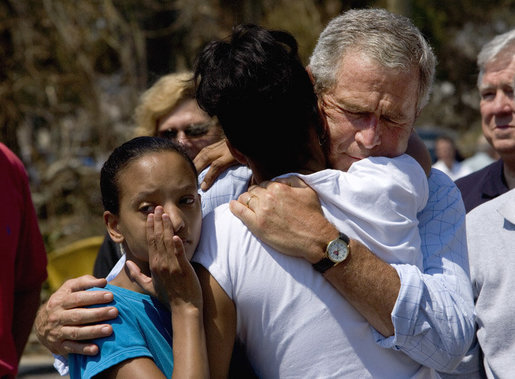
219 323
63 322
26 304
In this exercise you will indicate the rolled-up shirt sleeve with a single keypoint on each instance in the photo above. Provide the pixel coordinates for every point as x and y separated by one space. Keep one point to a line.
433 316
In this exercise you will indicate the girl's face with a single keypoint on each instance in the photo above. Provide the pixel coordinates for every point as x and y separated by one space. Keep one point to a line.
156 178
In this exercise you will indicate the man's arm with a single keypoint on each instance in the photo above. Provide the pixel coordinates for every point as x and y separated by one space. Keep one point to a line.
437 304
62 322
434 309
369 284
290 219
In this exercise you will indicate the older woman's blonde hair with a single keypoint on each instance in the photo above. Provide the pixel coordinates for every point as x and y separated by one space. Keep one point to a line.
161 99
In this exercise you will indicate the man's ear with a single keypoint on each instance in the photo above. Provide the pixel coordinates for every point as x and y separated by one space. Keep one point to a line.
111 221
323 131
237 154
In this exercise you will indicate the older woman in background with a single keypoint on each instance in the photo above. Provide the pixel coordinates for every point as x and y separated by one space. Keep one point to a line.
168 109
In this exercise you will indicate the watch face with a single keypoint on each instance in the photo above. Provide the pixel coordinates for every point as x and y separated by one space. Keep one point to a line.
337 250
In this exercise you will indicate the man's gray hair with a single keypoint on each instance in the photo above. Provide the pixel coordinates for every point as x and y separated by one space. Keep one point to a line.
503 43
391 40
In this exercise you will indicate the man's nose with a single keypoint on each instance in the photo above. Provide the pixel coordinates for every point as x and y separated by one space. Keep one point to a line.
182 138
369 135
504 103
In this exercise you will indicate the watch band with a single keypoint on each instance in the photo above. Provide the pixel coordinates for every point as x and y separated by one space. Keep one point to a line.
345 238
325 263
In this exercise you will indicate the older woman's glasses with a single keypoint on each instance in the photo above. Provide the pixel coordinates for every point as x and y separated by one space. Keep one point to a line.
191 131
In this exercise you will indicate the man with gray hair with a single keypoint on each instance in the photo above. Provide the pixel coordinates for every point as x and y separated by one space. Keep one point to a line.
361 67
491 223
496 82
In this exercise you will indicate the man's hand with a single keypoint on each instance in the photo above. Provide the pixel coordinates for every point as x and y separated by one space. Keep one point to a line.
63 321
219 157
286 214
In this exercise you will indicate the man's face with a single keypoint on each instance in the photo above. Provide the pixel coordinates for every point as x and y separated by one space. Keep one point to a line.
189 126
497 105
370 112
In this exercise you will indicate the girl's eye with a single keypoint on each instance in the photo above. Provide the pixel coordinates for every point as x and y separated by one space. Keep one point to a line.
147 209
188 200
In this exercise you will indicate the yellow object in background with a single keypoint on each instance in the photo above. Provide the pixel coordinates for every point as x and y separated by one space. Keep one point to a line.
72 260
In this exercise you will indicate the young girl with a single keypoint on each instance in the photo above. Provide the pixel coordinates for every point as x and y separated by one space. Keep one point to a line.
149 192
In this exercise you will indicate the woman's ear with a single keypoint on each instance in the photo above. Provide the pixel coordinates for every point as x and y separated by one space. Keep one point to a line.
236 154
111 221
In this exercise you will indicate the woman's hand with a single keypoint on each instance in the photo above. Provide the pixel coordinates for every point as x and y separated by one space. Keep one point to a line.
218 157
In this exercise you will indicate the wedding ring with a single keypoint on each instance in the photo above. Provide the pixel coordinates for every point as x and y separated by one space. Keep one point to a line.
248 200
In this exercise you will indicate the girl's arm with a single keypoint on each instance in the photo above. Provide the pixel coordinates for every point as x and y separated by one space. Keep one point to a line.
136 368
175 283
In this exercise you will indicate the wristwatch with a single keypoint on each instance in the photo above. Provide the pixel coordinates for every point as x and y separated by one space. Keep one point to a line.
336 252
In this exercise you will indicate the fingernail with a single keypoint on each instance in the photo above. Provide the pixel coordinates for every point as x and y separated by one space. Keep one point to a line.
203 186
106 330
108 296
112 312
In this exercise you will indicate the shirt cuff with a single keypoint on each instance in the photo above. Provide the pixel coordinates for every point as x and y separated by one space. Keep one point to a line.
406 308
61 364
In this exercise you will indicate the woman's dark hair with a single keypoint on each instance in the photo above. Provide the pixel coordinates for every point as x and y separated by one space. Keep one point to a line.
256 85
122 156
